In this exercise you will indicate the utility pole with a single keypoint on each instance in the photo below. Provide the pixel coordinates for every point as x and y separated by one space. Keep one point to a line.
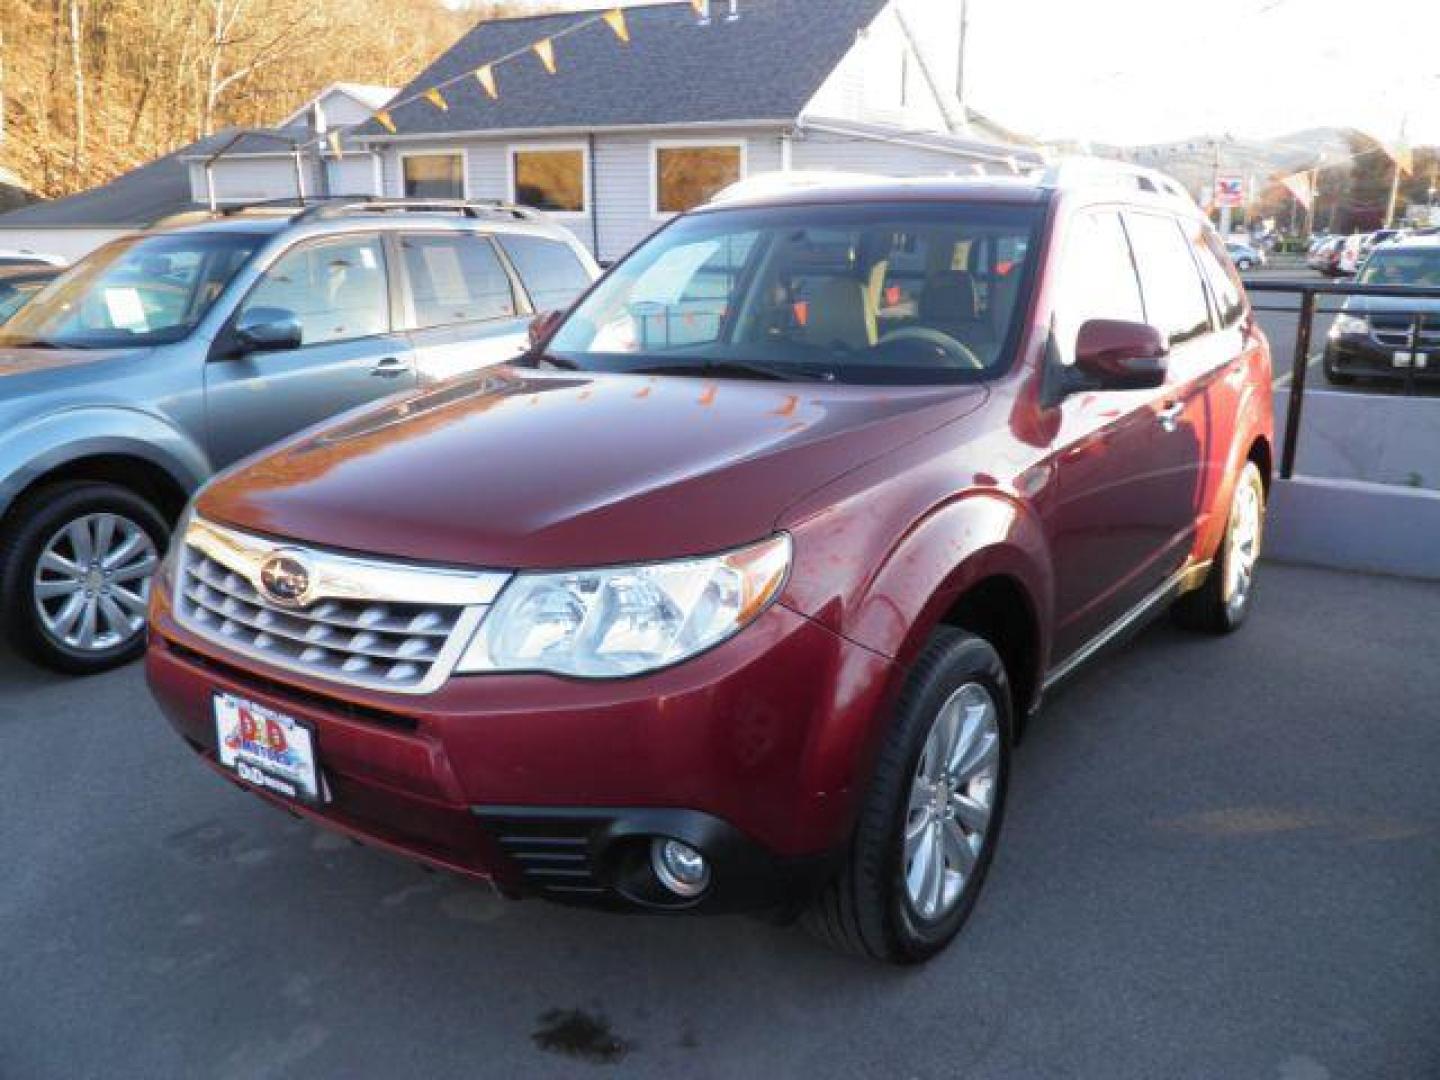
960 69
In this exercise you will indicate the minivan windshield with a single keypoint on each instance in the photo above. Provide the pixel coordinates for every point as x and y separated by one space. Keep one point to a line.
1418 266
143 290
916 292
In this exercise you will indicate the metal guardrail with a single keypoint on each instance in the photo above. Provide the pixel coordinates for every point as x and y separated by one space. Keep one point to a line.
1308 293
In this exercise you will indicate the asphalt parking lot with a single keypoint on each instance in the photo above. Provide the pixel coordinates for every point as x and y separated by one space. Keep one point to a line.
1222 860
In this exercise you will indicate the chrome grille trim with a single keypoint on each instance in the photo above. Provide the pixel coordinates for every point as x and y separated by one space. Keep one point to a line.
380 625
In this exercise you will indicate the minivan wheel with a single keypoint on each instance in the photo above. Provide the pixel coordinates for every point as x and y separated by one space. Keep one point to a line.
75 566
931 817
1221 604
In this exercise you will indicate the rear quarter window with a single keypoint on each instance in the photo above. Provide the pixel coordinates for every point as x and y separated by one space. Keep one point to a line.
552 273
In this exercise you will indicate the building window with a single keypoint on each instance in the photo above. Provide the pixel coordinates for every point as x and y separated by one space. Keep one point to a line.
433 176
686 176
550 178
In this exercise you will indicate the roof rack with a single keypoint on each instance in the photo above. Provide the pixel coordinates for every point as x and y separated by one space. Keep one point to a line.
373 204
1072 171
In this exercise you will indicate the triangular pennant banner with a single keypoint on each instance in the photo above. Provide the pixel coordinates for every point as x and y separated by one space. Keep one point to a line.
545 49
487 79
437 99
383 119
334 138
616 21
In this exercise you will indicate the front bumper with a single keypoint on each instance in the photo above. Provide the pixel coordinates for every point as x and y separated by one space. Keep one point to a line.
752 752
1360 355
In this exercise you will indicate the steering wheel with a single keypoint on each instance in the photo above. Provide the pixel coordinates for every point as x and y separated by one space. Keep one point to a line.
956 352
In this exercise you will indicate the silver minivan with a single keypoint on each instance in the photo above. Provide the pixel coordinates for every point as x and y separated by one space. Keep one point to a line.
164 356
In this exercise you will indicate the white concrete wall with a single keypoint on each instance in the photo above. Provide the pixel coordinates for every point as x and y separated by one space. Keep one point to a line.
1351 435
71 244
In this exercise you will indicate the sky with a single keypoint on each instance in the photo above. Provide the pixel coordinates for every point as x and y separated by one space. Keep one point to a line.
1138 71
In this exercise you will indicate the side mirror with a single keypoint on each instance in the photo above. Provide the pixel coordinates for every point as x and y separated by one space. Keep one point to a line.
1113 354
268 329
542 326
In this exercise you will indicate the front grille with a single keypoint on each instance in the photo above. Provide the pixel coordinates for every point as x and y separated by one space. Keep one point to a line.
380 625
1394 330
395 644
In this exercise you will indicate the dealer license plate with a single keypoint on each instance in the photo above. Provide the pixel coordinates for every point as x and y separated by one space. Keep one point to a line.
266 748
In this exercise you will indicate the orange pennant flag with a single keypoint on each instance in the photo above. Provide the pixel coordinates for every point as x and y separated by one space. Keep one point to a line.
383 119
437 99
335 149
699 6
487 80
616 21
545 49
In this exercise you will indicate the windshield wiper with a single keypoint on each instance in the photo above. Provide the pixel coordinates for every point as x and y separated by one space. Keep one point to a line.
734 369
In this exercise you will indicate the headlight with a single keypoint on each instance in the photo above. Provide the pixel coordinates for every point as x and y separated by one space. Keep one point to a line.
1349 324
625 620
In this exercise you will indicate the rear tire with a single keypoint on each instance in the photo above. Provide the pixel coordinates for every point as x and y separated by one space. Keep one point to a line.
108 587
879 905
1221 604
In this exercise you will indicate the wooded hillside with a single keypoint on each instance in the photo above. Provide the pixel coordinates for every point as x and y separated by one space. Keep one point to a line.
91 88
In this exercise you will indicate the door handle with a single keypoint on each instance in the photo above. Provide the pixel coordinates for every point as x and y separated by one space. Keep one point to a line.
390 367
1169 416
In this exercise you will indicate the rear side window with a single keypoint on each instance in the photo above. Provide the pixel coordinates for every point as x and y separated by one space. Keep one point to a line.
1097 278
1220 272
456 278
1174 295
550 271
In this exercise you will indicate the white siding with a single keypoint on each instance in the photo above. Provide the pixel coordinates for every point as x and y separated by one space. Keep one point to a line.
817 150
354 174
881 80
252 179
622 193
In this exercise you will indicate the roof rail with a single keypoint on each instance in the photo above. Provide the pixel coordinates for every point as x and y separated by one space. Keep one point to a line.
1072 171
373 204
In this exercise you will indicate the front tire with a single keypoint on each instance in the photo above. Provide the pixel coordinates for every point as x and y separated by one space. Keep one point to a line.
75 566
931 817
1221 604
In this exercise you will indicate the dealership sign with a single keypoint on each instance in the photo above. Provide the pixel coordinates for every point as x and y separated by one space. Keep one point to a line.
1229 191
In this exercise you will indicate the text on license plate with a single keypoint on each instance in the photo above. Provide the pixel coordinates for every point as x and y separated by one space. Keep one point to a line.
266 748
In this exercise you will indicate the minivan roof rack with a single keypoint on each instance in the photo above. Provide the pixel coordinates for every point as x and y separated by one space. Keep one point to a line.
373 204
1075 171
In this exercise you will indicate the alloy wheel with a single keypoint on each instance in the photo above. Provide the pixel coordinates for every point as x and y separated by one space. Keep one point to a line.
952 795
1244 553
92 582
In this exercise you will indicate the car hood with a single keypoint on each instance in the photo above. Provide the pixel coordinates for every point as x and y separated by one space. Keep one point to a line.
523 469
1391 305
23 370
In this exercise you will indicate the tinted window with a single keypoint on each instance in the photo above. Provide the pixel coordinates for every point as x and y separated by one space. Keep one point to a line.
551 273
1174 295
1097 278
141 291
456 278
550 179
1220 272
1403 266
864 293
336 289
434 176
686 176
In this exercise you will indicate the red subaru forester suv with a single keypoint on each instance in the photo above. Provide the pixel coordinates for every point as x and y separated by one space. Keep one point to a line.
739 588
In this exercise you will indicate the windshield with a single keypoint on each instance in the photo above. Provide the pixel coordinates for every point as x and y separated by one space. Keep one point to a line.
144 290
867 293
1418 266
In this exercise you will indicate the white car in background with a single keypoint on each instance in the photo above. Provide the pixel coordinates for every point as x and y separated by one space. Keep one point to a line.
1352 254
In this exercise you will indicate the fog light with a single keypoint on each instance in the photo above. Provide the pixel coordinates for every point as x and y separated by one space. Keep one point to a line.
680 868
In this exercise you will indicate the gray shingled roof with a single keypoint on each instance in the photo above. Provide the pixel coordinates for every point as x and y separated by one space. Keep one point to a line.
133 200
764 66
